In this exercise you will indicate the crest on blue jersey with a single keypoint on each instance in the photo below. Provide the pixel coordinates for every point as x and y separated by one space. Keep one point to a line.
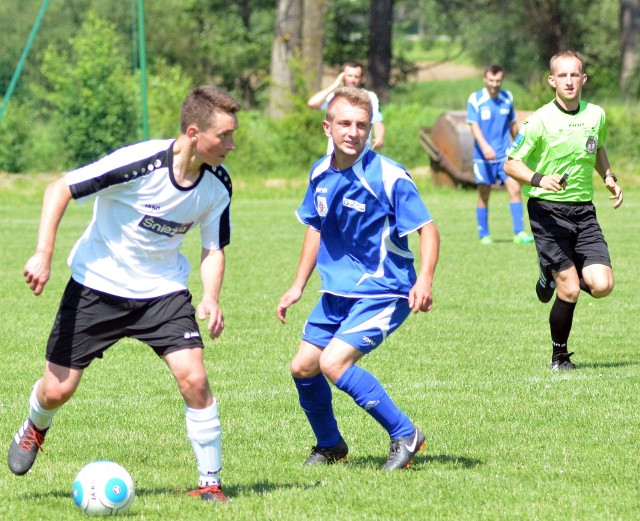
323 208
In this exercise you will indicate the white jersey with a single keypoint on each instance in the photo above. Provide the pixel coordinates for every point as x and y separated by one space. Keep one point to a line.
131 248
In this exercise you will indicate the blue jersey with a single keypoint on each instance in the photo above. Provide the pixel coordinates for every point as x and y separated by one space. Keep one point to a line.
494 117
364 214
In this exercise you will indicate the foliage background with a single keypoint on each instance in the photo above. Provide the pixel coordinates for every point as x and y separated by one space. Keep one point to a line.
79 95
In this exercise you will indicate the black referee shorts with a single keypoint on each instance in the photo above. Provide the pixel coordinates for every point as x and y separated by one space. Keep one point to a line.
89 322
567 234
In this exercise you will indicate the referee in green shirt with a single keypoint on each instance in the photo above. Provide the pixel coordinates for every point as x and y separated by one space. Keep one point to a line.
554 156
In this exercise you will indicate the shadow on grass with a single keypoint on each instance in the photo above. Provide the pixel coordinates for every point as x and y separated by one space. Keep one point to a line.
607 365
230 490
444 460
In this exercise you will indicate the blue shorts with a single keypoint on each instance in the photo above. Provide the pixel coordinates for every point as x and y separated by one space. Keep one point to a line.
363 323
487 173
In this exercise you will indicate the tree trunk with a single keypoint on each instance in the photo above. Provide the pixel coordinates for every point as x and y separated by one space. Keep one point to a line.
381 24
312 43
286 46
629 44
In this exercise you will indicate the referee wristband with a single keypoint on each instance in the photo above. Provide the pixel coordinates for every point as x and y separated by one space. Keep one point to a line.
536 178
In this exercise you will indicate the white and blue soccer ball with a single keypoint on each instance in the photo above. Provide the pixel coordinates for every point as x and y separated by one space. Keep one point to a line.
103 488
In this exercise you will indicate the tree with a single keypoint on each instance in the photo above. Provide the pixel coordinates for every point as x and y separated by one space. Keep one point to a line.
312 43
91 91
380 36
286 47
630 45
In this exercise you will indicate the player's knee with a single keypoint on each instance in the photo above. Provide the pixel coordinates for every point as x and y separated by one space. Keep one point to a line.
299 369
601 290
53 396
194 387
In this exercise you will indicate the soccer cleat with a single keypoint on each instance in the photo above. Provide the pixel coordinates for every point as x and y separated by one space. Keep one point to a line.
402 450
486 240
24 448
211 493
562 362
545 285
328 456
522 238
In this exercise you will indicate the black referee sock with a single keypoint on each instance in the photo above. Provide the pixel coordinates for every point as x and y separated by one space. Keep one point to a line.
560 321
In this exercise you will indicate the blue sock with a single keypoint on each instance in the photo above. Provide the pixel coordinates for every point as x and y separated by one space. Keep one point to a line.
482 215
315 399
369 394
517 215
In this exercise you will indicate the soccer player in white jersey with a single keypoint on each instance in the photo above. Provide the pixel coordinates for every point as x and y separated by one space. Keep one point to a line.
491 116
129 278
359 209
351 76
554 157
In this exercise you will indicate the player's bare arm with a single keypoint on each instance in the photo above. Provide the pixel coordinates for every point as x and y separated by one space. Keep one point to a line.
379 133
307 264
212 273
420 296
517 170
38 268
603 167
316 101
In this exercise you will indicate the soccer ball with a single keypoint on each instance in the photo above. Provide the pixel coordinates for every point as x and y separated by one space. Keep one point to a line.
103 488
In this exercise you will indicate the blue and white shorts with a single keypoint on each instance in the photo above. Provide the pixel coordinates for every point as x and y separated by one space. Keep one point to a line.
363 323
487 173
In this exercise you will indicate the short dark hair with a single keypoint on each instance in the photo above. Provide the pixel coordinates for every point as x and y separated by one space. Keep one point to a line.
567 54
353 64
494 68
201 103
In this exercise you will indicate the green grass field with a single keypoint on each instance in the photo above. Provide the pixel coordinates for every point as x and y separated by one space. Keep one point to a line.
507 439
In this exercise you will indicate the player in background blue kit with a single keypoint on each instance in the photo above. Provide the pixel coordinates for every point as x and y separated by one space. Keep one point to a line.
492 117
359 209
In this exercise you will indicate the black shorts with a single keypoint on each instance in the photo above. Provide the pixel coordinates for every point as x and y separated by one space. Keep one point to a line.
89 322
567 234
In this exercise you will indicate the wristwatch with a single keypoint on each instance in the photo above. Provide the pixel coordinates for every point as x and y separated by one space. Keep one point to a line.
612 176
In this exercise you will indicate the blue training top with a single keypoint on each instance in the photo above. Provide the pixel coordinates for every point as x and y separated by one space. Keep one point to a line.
494 116
364 214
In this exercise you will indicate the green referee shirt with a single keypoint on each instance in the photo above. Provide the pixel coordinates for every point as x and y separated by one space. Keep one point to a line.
552 141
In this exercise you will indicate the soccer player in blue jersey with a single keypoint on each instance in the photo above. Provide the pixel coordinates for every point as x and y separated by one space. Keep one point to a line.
359 209
554 157
128 277
492 117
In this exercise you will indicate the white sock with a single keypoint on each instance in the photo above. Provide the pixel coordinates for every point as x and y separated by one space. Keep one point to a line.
205 434
40 417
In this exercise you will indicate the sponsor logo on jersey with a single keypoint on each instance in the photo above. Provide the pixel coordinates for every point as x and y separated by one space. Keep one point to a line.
592 144
321 190
323 207
164 227
350 203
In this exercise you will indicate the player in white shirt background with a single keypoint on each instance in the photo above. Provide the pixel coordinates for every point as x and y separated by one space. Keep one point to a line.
351 76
